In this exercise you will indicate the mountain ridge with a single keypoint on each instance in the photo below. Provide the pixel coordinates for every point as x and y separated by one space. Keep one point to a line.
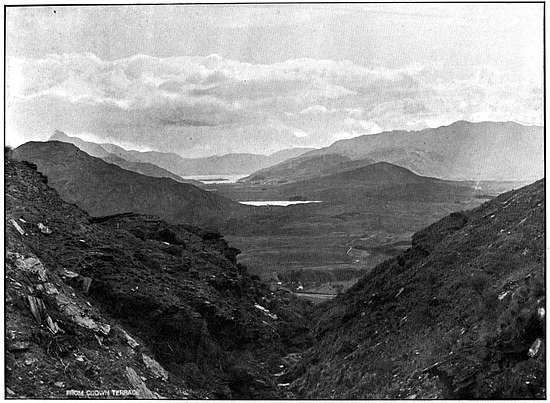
460 151
233 163
114 154
102 188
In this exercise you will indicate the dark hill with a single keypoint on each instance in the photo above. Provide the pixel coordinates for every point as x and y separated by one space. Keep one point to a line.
377 173
303 168
497 151
130 302
380 180
459 315
119 156
101 188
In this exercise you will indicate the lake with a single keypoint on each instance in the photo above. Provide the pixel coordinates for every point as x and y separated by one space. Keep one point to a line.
219 178
283 203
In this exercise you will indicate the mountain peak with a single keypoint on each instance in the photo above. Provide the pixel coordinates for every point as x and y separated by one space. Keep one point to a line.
59 135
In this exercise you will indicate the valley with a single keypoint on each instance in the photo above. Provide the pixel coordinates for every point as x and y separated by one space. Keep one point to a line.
263 304
316 235
328 246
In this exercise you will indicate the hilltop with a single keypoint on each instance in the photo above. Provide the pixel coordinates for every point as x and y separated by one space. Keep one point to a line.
495 151
381 180
130 302
119 156
307 167
460 314
102 188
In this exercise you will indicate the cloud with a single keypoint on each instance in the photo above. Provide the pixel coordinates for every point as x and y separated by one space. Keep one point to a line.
186 103
314 109
300 133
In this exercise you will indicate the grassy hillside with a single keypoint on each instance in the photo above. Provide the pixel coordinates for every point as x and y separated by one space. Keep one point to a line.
101 188
461 314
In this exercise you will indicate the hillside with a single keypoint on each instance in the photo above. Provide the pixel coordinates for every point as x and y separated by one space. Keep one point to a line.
102 189
130 303
381 181
496 151
460 315
296 169
118 156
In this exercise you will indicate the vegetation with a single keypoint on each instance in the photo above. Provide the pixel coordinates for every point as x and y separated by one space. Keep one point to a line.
176 289
459 315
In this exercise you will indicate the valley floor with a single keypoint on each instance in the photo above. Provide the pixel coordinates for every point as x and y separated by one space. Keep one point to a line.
327 247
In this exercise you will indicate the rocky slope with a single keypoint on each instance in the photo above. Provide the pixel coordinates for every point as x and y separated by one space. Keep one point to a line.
128 304
459 315
497 151
102 189
115 155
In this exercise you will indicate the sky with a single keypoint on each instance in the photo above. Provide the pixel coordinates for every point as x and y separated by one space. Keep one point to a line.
209 79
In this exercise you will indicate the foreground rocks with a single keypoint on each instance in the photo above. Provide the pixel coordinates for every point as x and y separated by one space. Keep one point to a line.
131 303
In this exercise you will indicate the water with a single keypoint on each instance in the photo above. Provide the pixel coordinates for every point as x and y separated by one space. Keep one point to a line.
277 202
220 178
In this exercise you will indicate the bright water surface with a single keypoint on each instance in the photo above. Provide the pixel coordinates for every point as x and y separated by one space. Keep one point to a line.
277 202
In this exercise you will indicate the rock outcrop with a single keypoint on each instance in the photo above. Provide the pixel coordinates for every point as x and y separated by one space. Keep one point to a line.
130 306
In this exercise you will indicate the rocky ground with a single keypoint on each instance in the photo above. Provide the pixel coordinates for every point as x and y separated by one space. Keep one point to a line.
459 315
128 304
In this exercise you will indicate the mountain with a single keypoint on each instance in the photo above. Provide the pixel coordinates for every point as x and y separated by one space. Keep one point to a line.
381 180
102 188
119 156
296 169
496 151
128 304
459 315
229 164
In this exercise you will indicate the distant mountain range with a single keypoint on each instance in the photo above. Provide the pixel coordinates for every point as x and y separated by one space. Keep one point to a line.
119 156
103 189
499 151
230 164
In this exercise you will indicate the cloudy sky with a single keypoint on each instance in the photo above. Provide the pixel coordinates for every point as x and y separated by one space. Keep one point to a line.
212 79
